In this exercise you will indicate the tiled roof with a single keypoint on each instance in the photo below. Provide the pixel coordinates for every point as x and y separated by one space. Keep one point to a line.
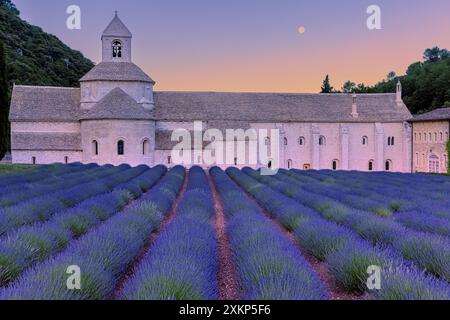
46 141
117 104
277 107
117 71
29 103
117 28
438 114
226 109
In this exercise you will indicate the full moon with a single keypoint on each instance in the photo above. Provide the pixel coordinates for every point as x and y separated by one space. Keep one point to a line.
301 30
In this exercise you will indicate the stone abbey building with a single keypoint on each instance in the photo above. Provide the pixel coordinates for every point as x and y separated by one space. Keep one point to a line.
116 117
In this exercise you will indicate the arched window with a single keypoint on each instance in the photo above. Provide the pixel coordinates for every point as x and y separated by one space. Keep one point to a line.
365 141
285 141
431 137
66 159
301 141
146 147
441 136
388 165
335 165
169 160
371 162
95 147
289 164
121 148
33 160
322 141
425 137
415 137
269 164
117 49
267 141
420 136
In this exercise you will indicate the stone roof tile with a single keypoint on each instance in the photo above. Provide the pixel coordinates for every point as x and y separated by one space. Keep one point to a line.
52 104
277 107
46 141
117 71
117 28
435 115
117 104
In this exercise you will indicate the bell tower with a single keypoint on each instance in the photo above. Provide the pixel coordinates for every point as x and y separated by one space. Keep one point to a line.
116 42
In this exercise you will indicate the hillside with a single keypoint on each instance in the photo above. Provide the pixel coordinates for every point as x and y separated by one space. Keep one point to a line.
34 57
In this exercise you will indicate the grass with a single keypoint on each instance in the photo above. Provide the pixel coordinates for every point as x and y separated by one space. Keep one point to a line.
6 167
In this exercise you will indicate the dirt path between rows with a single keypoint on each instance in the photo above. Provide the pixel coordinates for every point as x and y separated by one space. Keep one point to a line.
150 241
319 267
227 278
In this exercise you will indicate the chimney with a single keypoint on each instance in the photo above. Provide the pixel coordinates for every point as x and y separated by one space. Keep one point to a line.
354 107
398 98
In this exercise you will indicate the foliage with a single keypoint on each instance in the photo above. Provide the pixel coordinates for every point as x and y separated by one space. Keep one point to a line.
435 54
348 87
425 86
182 264
326 86
102 255
4 104
394 247
331 215
34 57
448 156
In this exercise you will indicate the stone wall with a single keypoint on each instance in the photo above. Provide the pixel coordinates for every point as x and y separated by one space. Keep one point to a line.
108 133
430 144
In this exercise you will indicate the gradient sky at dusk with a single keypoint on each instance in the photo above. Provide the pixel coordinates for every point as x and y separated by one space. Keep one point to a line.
254 45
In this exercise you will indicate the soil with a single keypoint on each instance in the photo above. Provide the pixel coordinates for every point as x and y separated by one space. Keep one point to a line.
227 278
149 242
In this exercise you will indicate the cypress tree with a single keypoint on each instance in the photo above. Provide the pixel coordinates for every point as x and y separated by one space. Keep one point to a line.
4 104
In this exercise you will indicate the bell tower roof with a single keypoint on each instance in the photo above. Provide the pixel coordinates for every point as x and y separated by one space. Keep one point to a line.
117 28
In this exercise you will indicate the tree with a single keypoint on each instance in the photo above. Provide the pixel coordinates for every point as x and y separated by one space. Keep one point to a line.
448 156
391 76
349 87
326 87
9 6
435 54
4 104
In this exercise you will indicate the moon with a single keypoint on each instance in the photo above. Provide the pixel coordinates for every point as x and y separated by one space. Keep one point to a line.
301 30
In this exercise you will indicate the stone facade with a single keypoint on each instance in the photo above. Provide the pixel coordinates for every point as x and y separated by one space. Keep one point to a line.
116 117
430 146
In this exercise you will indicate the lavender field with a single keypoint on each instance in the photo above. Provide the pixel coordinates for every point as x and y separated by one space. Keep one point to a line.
175 234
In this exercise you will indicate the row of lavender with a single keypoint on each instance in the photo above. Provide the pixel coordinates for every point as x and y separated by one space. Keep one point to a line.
350 240
182 263
269 266
106 249
409 203
87 184
32 244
